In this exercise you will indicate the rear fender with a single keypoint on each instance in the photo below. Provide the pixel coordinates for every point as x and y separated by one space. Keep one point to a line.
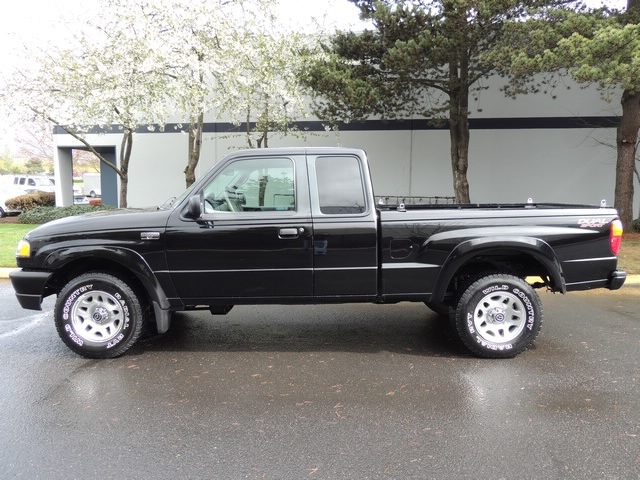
466 251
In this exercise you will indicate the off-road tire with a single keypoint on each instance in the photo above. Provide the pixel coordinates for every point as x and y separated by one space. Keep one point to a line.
98 315
498 316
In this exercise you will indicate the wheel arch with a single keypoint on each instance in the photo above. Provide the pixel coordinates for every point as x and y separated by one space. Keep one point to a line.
121 262
521 256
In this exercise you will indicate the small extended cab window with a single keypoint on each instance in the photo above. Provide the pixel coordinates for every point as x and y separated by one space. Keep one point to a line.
340 185
252 185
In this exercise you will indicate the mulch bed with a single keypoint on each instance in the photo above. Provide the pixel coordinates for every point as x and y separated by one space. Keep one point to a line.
9 219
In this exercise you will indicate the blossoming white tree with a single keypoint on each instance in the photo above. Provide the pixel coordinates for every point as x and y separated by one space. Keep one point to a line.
138 62
264 92
111 75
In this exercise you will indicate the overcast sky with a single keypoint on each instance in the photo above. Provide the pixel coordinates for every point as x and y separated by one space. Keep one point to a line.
46 22
26 19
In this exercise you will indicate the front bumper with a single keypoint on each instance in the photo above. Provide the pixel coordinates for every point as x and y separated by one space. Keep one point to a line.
29 287
616 279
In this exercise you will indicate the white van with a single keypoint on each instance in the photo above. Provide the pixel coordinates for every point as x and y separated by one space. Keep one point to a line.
16 185
34 183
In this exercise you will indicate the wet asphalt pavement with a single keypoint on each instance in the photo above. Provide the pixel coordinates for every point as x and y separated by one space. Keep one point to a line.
342 391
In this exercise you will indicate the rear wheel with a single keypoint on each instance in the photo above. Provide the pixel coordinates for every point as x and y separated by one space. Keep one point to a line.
98 315
498 316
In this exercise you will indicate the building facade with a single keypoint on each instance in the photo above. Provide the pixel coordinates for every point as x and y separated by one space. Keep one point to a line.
535 146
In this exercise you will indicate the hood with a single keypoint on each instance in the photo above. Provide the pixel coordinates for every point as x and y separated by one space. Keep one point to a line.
104 220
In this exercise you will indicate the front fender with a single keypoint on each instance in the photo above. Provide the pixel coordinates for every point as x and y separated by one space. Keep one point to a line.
470 249
126 258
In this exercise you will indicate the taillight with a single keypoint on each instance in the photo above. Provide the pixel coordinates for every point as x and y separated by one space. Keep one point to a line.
615 236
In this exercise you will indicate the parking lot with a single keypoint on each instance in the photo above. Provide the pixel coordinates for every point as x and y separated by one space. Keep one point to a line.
344 391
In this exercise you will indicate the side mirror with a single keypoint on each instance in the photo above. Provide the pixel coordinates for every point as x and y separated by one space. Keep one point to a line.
195 207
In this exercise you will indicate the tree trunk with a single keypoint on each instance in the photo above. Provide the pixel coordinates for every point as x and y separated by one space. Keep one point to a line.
125 156
263 140
263 126
459 128
627 135
249 141
195 146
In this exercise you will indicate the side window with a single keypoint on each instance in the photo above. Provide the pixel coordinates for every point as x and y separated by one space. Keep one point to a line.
252 185
340 185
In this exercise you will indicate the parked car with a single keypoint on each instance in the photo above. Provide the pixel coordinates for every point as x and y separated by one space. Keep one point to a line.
8 190
4 210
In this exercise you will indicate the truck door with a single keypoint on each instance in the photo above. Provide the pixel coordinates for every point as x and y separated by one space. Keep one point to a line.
345 246
253 240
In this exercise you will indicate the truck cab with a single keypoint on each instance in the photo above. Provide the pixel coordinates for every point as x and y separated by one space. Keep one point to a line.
275 226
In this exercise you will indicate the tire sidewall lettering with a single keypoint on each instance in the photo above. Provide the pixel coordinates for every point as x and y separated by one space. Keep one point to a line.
495 288
470 325
528 304
73 297
530 320
493 346
120 317
116 340
72 335
484 287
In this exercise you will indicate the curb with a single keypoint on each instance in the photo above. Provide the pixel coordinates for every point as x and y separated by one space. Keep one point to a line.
4 272
631 279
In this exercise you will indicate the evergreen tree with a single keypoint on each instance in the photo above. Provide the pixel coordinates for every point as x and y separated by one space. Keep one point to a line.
423 57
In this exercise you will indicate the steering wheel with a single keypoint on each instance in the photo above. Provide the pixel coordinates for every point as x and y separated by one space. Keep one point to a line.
228 201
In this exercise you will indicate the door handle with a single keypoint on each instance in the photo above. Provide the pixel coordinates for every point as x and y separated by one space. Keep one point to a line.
290 232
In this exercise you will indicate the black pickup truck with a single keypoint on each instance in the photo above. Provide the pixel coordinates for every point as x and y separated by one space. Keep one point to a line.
301 226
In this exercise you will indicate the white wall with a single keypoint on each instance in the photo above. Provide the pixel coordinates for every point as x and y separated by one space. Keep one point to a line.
565 165
510 165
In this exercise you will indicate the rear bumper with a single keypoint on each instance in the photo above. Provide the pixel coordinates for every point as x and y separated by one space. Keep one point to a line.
29 287
616 279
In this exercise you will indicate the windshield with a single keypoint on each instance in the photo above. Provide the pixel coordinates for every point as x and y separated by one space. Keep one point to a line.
175 200
44 182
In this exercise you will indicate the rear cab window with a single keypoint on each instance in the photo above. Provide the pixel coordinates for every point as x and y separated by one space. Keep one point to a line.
340 185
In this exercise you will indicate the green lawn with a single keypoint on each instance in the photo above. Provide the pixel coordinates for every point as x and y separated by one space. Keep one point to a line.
629 258
10 234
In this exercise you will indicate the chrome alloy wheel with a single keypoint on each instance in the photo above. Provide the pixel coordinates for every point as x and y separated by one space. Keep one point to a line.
500 317
97 316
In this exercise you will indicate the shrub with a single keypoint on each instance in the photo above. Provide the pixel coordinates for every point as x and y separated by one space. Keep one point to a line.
635 226
31 200
39 215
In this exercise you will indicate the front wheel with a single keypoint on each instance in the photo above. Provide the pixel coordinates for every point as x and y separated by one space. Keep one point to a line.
98 315
498 316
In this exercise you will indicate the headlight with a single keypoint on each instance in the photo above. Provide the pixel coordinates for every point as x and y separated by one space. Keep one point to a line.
24 249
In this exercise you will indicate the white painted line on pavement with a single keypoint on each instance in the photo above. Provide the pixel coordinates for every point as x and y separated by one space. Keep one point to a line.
27 326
